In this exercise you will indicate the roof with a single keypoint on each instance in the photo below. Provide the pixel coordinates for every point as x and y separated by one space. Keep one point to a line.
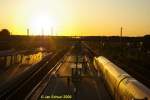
8 53
28 52
13 52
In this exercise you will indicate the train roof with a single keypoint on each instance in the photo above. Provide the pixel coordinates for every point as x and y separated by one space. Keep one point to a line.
13 52
28 52
7 53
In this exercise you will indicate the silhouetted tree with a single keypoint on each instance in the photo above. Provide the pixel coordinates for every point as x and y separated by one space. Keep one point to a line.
4 33
146 43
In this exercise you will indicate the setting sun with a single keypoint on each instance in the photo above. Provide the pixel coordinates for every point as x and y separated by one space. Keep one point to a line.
43 24
75 17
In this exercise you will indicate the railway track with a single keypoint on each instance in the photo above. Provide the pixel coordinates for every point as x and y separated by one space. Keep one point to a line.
61 71
39 88
19 87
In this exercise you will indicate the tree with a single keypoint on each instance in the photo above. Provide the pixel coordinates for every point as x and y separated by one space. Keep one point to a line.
4 32
146 43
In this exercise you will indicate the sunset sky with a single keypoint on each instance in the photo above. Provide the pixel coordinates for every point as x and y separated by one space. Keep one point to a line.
76 17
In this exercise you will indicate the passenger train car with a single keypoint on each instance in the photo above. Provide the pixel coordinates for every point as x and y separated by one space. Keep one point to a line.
31 57
119 83
10 57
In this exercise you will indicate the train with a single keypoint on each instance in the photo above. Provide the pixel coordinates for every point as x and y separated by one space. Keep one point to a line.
10 57
119 83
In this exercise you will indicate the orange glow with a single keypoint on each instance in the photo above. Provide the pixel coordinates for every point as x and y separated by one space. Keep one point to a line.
42 22
76 17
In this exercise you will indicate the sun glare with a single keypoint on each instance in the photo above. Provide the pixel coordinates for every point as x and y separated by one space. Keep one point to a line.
43 25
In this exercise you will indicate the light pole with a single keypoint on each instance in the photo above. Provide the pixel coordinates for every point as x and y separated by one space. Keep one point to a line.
28 32
121 47
52 31
42 31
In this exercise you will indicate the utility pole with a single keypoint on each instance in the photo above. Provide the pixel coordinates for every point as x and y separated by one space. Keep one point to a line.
52 33
121 32
42 31
121 48
28 32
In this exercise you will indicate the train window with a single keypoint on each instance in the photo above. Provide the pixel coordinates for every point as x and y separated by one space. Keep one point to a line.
120 97
2 58
2 61
27 58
